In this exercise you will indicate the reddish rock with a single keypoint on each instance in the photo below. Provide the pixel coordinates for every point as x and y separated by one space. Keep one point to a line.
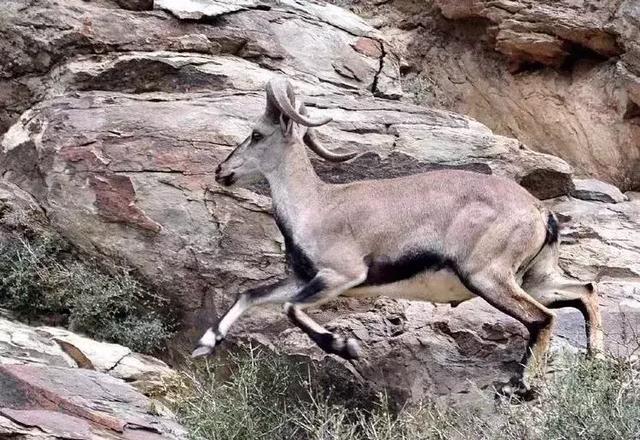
115 200
70 403
53 422
368 47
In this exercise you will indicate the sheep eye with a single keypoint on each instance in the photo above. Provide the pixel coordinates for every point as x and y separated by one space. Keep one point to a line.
256 136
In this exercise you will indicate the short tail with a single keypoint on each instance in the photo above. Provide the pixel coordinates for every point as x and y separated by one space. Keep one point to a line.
552 229
548 250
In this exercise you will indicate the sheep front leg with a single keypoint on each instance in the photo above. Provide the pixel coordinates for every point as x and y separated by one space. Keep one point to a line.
279 292
326 285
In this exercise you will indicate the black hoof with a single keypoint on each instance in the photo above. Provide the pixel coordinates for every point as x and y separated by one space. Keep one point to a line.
351 349
348 349
202 351
516 389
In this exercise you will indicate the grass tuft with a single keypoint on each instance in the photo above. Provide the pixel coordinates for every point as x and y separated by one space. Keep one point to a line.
257 395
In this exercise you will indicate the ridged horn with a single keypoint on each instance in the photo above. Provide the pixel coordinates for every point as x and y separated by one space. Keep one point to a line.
281 96
311 141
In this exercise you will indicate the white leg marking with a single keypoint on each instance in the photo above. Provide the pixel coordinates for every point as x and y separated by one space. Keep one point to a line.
232 316
209 339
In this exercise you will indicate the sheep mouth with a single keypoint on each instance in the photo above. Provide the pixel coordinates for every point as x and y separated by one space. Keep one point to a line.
227 179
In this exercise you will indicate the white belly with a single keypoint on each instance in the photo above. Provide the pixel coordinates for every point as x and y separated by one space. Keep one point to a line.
442 286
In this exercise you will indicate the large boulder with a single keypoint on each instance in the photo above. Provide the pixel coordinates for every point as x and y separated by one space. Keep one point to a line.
24 344
36 40
61 403
60 385
601 241
561 76
132 175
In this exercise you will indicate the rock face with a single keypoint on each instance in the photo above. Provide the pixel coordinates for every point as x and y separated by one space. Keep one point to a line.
59 385
601 242
561 76
115 135
592 189
79 404
123 163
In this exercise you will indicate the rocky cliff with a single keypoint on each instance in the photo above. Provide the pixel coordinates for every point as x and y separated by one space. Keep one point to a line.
117 112
561 76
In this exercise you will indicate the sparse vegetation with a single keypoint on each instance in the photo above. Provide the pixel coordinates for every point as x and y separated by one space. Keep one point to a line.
264 397
42 280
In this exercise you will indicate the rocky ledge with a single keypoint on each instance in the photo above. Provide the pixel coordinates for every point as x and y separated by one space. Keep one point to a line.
55 384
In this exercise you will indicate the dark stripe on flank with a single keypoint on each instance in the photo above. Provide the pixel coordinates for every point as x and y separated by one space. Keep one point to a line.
383 270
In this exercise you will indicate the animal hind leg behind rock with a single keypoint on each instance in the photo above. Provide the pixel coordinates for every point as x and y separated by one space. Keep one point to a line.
508 297
566 292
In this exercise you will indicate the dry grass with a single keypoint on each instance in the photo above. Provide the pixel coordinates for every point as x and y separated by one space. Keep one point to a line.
262 396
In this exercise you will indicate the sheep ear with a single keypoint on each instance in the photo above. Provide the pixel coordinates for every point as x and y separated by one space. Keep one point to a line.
272 112
286 124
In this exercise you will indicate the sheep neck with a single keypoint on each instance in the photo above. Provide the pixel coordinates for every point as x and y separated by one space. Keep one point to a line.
296 189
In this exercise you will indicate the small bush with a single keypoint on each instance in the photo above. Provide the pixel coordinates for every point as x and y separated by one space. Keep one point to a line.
41 280
251 402
265 397
588 399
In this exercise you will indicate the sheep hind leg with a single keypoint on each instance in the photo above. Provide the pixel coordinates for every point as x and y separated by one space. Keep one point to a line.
346 348
581 296
508 297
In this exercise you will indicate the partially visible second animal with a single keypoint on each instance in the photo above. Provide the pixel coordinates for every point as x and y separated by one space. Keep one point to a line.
443 236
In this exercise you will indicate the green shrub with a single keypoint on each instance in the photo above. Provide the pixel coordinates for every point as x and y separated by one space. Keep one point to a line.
41 280
262 396
252 401
590 400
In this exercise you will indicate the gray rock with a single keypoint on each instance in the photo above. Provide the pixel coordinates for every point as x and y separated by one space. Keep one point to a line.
561 76
593 189
56 384
135 5
633 195
24 344
197 9
258 31
21 344
601 241
66 403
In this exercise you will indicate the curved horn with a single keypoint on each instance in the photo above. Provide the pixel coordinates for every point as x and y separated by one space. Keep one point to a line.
312 142
280 94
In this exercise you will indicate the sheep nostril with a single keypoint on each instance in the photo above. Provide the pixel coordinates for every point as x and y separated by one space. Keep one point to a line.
218 169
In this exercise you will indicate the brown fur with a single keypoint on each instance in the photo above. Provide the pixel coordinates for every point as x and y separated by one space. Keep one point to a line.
490 235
